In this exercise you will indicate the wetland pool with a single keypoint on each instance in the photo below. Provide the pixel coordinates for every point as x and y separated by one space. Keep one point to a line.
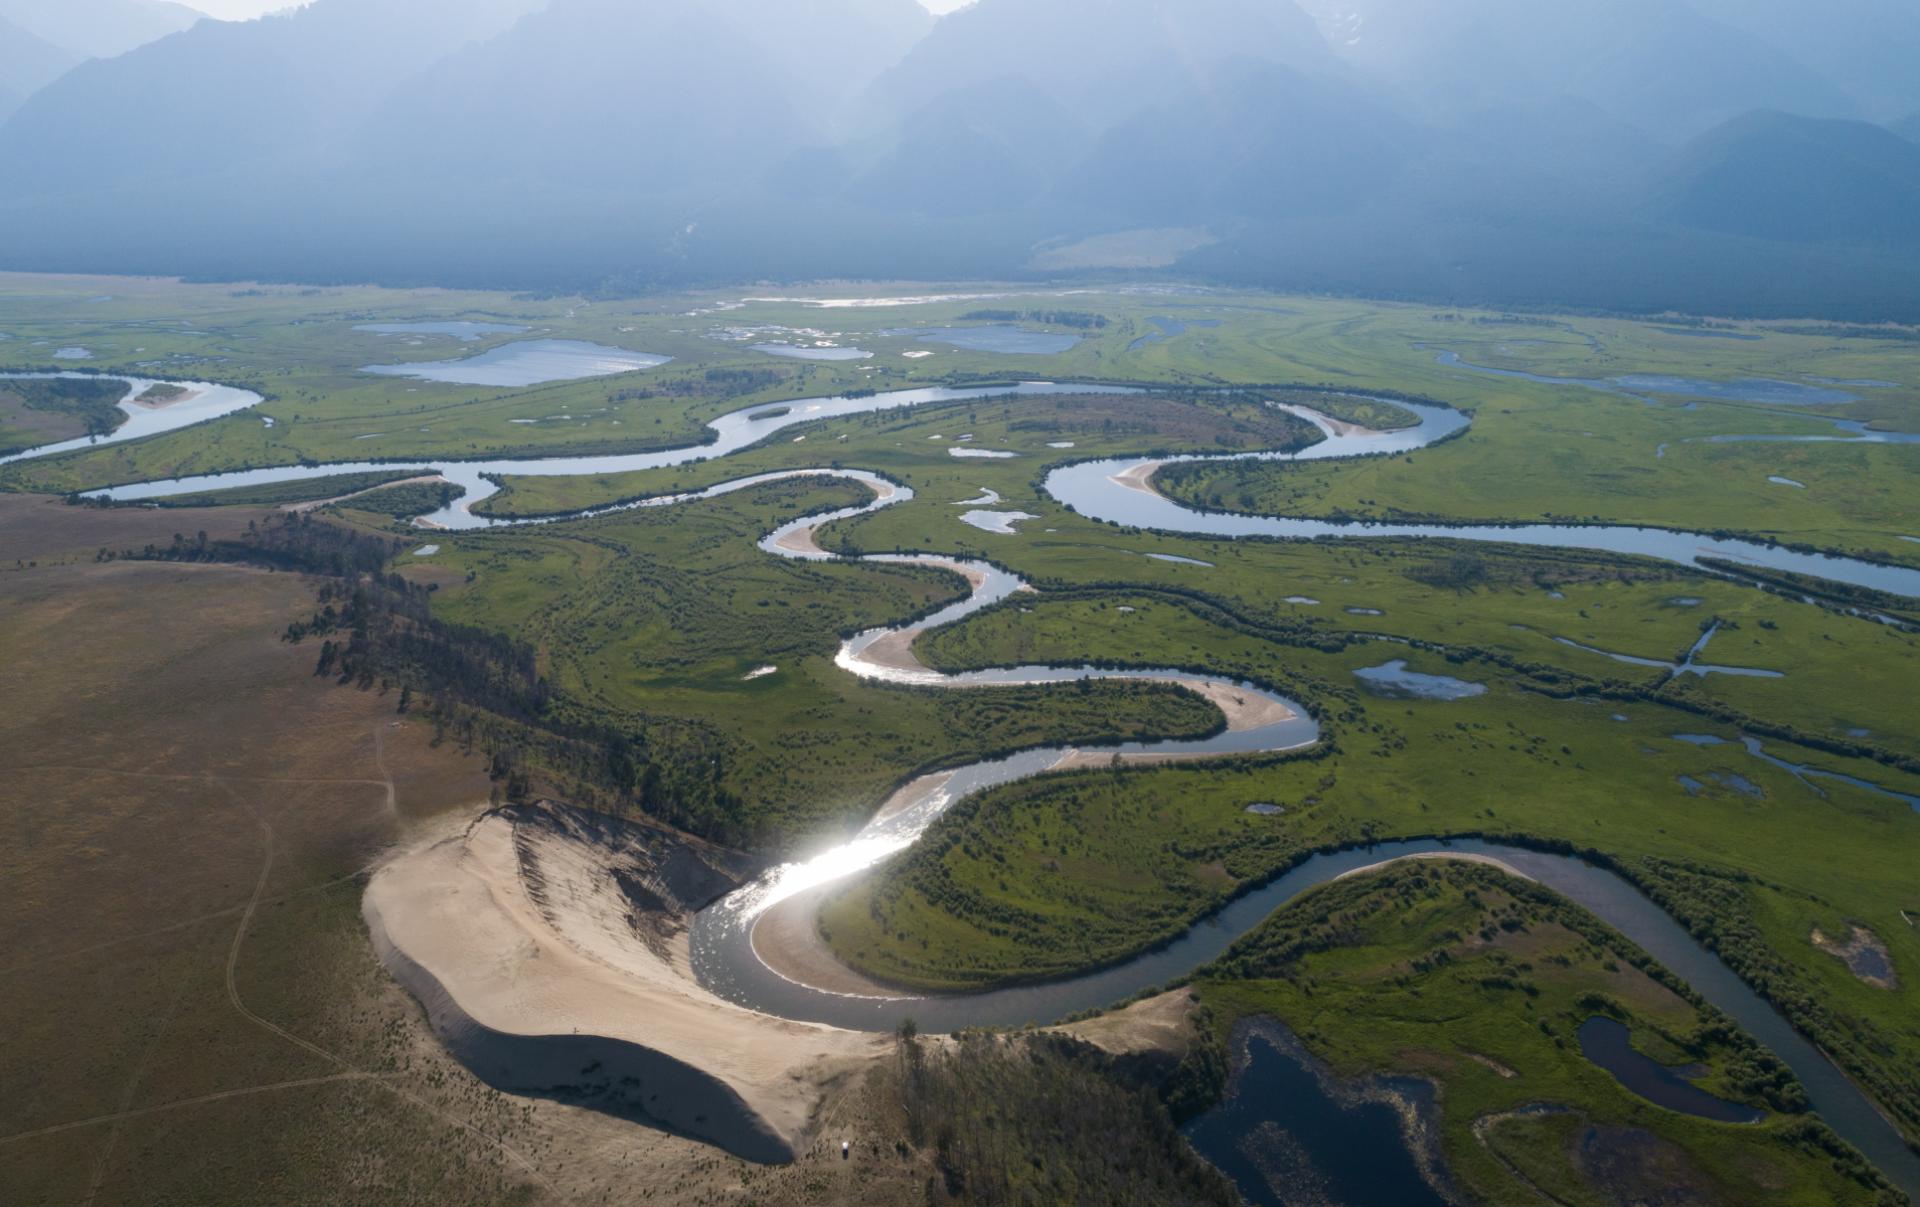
1290 1135
1609 1044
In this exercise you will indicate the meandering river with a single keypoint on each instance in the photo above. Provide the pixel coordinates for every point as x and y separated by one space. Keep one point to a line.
724 958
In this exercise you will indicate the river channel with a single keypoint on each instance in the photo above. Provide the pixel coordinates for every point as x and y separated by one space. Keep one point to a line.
723 954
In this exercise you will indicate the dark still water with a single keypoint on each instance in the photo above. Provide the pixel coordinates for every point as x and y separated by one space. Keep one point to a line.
1289 1136
1609 1044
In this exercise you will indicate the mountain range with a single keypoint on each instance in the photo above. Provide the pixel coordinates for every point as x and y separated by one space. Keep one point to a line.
41 40
1714 155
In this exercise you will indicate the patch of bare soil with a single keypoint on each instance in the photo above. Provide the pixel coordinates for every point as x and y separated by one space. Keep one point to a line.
1864 954
1162 1025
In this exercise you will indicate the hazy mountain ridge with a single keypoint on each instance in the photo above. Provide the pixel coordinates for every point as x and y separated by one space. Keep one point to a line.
1375 146
28 63
98 28
1801 180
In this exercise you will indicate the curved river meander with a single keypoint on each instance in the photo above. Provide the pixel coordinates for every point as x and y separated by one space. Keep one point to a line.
724 959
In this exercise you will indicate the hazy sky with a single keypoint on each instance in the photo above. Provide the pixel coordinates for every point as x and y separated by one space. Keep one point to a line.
237 10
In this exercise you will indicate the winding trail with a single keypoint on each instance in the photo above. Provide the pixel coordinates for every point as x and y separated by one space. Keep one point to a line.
786 994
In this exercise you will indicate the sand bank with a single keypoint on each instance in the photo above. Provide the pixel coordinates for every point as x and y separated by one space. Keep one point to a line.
563 986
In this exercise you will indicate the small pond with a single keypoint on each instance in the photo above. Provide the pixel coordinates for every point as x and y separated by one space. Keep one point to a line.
1800 771
1395 682
1288 1137
1000 523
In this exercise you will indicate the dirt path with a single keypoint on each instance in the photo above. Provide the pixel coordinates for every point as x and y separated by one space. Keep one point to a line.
197 777
184 1103
346 1071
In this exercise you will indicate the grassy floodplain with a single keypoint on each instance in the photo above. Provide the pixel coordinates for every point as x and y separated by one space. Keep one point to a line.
1529 453
651 622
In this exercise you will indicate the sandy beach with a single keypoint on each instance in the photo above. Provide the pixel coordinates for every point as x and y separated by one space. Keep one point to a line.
1140 477
457 908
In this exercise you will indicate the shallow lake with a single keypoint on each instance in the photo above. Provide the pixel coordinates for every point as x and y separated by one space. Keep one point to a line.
527 363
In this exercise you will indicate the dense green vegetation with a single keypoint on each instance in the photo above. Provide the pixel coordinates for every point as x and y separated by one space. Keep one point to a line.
1478 981
406 499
